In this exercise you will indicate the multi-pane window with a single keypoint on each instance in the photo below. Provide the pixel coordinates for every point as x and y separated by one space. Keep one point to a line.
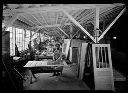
102 57
19 37
12 40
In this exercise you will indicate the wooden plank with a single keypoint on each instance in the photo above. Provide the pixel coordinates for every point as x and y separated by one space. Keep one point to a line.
71 30
36 19
66 46
28 19
97 18
80 14
111 24
42 64
62 18
59 33
57 17
82 60
86 17
63 31
111 68
97 24
43 18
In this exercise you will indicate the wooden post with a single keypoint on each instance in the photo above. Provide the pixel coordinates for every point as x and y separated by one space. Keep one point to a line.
82 60
97 25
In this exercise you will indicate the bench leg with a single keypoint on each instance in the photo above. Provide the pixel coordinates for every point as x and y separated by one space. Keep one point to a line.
31 78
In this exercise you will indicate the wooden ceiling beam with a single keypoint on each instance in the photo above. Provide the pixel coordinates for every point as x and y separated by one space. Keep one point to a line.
28 19
36 19
63 31
44 19
62 18
57 17
79 16
77 24
86 17
49 26
58 8
59 33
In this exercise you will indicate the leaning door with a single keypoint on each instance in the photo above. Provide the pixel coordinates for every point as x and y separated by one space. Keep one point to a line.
103 73
75 54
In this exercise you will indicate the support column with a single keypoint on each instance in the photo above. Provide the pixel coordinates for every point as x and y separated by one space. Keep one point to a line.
96 29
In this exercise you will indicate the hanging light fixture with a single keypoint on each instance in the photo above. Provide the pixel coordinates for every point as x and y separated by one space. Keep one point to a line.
84 37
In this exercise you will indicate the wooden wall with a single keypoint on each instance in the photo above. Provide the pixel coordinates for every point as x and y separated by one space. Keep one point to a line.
6 48
5 42
75 43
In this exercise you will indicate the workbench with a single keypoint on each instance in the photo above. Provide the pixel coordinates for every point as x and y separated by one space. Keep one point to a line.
42 64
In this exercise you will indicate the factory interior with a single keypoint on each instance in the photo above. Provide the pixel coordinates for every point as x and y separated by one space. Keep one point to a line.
63 47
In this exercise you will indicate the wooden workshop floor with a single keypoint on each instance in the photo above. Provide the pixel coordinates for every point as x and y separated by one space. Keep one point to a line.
45 81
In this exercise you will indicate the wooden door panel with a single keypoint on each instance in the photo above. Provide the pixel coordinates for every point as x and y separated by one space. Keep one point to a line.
102 63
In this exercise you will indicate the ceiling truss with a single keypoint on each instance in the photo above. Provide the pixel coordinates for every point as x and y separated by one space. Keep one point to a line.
58 16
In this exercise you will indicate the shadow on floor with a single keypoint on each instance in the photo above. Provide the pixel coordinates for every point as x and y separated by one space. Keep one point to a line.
45 81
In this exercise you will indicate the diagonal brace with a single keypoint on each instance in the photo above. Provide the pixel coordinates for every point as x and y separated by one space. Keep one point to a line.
63 31
111 24
77 24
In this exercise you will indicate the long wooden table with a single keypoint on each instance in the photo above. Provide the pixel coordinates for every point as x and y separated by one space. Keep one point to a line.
40 64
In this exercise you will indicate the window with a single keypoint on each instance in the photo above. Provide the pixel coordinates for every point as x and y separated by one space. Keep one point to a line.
20 37
102 60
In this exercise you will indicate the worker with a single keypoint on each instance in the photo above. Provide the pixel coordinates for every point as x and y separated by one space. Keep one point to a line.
16 51
58 61
31 52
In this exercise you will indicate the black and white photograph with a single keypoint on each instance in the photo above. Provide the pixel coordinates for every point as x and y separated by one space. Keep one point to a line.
65 47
